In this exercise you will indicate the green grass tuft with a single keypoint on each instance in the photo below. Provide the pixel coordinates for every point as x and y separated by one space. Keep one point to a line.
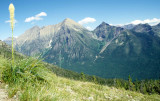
26 70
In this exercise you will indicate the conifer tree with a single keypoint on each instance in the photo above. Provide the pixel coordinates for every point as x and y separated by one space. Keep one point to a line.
130 84
83 78
137 85
143 88
94 79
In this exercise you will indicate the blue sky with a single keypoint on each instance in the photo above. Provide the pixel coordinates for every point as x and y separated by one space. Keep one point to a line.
54 11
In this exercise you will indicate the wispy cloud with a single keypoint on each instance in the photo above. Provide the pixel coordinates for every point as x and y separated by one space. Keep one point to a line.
87 20
8 21
89 28
36 17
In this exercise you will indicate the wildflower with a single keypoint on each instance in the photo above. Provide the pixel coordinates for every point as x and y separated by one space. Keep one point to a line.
90 98
11 10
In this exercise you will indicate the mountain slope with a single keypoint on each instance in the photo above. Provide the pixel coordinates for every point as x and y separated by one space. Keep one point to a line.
67 44
9 40
156 29
107 33
134 52
70 46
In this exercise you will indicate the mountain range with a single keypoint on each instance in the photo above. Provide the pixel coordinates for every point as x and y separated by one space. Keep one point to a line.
107 51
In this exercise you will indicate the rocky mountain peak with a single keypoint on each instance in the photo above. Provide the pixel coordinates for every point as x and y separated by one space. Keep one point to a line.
70 23
68 20
104 24
142 28
35 27
129 26
143 25
107 32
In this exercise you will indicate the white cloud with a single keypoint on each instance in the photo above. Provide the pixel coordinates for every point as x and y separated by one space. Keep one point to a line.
87 20
36 17
153 21
41 14
89 28
8 21
15 36
119 25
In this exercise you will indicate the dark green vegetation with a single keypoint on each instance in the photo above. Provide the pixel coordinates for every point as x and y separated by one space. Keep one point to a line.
108 51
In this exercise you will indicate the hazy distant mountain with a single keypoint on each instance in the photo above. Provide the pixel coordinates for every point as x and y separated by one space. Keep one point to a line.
129 26
9 40
6 51
108 51
143 28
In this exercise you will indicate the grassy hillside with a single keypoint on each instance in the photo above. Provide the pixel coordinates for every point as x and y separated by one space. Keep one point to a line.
29 80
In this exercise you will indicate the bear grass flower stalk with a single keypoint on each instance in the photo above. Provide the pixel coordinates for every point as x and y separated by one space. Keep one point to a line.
11 10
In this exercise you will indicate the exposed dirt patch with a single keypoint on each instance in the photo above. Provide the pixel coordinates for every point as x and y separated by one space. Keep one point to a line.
3 93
